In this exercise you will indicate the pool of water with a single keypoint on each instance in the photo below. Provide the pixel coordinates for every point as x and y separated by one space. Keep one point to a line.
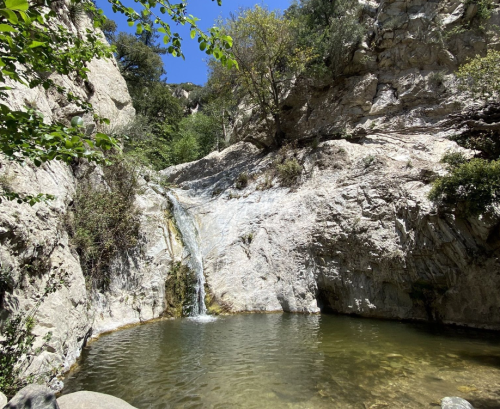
291 361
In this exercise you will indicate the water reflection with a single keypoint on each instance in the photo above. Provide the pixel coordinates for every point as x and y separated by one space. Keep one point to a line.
291 361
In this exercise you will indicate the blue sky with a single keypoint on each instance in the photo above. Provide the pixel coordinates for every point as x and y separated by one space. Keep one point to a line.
193 68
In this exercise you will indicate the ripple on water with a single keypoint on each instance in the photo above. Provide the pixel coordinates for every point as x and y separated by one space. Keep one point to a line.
291 361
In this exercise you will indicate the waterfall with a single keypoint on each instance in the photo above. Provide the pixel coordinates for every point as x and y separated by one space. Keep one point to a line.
189 233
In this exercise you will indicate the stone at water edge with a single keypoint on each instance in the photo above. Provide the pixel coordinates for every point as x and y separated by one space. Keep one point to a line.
33 397
3 400
455 403
91 400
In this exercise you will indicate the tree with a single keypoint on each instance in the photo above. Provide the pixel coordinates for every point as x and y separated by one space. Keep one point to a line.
331 28
34 44
264 46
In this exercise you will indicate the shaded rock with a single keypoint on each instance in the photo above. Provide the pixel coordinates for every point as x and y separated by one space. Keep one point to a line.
91 400
455 403
33 397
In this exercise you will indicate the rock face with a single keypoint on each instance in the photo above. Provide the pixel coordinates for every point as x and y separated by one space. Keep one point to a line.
356 234
399 77
91 400
40 272
33 397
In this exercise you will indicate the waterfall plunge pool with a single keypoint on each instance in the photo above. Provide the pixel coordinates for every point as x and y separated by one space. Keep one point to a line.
291 361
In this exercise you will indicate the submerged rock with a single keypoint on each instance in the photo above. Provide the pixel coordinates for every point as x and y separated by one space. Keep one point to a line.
455 403
91 400
33 397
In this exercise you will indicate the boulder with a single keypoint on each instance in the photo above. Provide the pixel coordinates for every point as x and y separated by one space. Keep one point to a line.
33 397
91 400
455 403
3 400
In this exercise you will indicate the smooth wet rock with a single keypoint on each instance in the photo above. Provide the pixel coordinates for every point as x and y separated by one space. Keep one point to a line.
3 400
33 397
91 400
455 403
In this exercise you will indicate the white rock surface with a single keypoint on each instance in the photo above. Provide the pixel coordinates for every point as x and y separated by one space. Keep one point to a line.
455 403
356 235
91 400
3 400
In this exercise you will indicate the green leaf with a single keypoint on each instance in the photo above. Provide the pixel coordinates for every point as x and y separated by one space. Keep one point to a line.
35 44
193 34
162 30
5 28
203 45
130 23
17 4
9 15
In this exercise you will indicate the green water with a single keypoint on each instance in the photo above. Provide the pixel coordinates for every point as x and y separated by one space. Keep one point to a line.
291 361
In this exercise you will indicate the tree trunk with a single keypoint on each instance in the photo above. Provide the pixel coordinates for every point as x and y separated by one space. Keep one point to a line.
279 135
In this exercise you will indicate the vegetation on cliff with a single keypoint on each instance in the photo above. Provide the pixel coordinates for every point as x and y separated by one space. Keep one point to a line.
472 186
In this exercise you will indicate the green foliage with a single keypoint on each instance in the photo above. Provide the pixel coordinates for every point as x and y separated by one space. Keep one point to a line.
34 44
179 290
205 128
331 29
269 59
24 135
487 142
484 8
288 171
147 143
104 220
212 42
368 161
454 159
27 37
471 187
137 61
109 29
185 147
17 340
16 353
155 101
242 180
480 77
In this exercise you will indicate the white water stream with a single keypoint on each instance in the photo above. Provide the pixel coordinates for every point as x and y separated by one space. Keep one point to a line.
190 239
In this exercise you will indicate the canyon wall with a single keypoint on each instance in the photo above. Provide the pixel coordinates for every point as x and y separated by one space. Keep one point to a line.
40 271
354 234
357 234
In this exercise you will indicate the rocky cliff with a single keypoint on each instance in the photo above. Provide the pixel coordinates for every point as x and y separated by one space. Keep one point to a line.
40 271
356 232
353 233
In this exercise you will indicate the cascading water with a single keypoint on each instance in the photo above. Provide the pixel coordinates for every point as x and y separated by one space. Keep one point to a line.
189 234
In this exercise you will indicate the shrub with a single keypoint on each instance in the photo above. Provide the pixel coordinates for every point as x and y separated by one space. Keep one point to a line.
471 187
104 221
368 161
453 159
242 180
480 77
289 171
16 353
17 341
437 77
